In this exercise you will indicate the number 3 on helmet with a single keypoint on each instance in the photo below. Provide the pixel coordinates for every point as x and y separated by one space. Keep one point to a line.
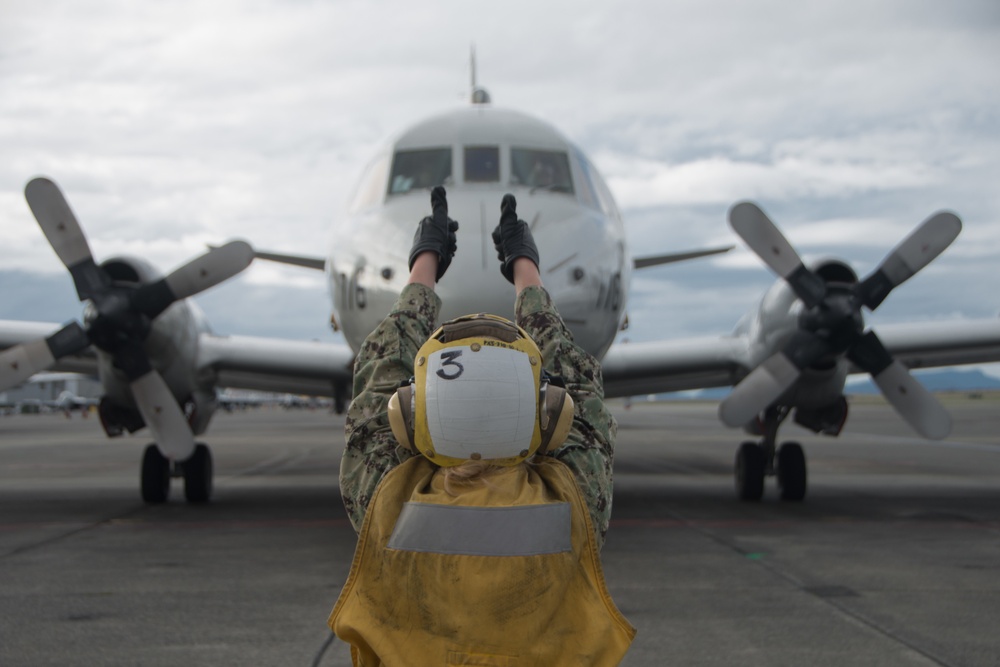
479 393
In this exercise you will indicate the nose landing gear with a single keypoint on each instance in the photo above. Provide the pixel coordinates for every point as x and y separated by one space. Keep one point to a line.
157 470
757 460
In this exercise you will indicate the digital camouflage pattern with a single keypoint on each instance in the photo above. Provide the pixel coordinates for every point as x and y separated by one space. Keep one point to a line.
386 360
589 448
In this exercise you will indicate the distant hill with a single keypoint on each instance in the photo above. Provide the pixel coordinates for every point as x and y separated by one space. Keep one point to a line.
943 380
934 380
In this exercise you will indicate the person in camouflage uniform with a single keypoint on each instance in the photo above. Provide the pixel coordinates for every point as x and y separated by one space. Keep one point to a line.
387 356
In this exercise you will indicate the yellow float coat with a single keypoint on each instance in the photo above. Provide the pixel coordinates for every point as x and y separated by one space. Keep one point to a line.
501 573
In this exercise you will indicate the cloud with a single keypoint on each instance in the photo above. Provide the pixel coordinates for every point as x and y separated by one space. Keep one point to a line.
171 126
817 167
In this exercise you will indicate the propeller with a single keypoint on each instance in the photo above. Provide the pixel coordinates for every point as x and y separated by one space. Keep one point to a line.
122 317
832 323
20 362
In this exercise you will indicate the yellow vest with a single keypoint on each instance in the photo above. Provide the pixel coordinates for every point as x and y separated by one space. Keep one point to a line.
504 573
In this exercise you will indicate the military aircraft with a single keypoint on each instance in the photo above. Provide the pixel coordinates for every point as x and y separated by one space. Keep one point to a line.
161 365
41 394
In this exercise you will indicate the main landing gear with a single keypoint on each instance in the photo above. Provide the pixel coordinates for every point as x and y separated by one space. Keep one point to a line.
158 469
756 460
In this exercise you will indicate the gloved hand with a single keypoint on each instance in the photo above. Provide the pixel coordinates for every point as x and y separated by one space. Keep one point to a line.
512 238
436 232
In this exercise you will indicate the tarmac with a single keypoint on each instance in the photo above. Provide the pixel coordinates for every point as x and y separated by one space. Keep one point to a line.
892 559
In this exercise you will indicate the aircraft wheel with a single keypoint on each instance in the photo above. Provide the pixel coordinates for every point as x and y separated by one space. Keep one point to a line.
792 471
750 465
198 475
155 478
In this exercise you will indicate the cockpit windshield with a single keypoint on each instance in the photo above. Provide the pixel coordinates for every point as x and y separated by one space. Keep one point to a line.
541 169
482 164
416 169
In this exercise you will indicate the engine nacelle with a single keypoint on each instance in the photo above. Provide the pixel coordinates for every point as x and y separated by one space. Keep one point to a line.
172 348
817 397
818 387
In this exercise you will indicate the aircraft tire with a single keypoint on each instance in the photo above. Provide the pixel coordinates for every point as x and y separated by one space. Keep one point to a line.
198 475
792 473
749 471
155 476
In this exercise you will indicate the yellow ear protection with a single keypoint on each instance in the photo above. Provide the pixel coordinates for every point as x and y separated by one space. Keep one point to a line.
479 392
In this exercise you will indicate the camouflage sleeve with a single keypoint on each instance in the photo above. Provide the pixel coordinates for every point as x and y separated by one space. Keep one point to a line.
384 361
589 449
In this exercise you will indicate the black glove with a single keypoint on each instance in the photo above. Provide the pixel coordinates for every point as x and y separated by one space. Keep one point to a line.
436 233
512 238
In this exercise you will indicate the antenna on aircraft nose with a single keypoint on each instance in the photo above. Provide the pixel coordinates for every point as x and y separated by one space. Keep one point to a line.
479 95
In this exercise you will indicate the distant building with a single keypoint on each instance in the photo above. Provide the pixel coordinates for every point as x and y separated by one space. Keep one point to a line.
46 388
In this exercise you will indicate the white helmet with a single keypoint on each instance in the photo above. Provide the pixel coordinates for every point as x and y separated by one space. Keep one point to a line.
479 394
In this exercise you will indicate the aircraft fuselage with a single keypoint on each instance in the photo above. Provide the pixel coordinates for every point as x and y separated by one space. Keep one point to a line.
479 154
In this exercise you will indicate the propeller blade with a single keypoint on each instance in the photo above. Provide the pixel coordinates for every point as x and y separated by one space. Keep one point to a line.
758 390
20 362
215 266
212 268
766 383
910 398
913 402
156 402
163 416
762 236
869 354
65 236
915 252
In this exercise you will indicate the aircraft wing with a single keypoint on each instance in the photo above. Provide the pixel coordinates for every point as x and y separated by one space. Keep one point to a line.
318 263
699 363
323 369
241 362
946 343
676 365
278 365
315 263
659 260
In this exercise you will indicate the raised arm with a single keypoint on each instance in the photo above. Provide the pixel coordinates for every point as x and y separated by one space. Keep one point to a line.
385 360
589 449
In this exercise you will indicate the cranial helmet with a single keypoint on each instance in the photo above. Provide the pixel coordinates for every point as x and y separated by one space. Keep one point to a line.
479 393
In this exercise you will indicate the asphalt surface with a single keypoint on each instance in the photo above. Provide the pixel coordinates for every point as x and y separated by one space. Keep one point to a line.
892 559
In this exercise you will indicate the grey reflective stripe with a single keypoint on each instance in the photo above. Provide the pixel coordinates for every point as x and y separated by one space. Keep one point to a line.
523 530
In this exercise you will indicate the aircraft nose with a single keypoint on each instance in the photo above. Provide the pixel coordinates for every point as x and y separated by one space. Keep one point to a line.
473 282
476 220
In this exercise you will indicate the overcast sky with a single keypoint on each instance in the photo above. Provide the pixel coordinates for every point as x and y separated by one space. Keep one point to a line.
170 125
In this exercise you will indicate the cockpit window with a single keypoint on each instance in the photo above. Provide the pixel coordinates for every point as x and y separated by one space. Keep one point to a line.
595 187
482 164
371 189
585 185
540 169
417 169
